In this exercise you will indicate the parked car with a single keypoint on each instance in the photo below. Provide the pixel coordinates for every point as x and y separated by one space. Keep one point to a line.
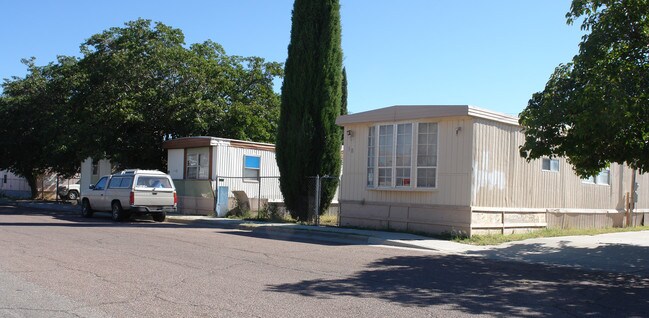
131 192
70 192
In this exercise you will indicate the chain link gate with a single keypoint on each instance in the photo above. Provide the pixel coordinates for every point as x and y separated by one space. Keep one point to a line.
315 197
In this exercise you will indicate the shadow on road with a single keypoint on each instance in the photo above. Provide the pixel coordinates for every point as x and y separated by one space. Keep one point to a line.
99 219
293 237
481 286
617 257
103 219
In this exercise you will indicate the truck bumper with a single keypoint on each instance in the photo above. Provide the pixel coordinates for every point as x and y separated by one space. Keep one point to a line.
153 209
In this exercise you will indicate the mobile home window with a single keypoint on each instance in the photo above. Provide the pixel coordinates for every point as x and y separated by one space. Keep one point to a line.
371 157
197 166
4 179
427 155
386 150
394 162
549 164
603 178
251 168
403 162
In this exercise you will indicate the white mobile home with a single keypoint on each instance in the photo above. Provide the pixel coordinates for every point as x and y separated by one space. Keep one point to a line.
457 168
13 186
206 171
92 170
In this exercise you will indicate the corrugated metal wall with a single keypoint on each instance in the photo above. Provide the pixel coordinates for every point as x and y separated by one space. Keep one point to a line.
229 167
501 178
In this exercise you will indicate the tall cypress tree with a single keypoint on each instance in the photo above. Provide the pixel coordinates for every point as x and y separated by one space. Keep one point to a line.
308 140
343 106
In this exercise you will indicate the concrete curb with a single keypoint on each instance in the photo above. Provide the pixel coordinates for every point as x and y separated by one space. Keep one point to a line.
61 207
315 233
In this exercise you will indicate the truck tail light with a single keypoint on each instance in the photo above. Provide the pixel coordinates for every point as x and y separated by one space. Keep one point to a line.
175 198
131 198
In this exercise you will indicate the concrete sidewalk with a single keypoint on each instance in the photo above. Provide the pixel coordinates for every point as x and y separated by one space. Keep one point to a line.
626 252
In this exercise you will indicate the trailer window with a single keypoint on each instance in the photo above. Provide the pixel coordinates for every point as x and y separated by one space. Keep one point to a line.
251 168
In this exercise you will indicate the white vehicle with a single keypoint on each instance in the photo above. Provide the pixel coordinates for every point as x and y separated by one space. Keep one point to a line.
131 192
70 192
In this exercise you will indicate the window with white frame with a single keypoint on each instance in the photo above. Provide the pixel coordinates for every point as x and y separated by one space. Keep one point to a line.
251 168
403 162
393 161
549 164
386 151
427 155
197 165
371 157
603 178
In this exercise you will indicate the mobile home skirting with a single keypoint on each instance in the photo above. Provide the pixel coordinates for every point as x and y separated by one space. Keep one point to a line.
488 220
466 220
422 218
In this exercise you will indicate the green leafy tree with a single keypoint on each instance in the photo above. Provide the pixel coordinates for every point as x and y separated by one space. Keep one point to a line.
134 88
308 141
343 106
38 117
595 110
144 87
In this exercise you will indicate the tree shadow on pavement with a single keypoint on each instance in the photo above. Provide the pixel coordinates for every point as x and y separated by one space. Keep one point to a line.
609 257
481 286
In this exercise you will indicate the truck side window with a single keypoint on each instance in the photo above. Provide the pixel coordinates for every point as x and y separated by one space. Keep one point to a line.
101 184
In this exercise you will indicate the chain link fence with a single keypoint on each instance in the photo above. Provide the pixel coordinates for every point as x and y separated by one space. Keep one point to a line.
46 186
257 195
261 197
319 188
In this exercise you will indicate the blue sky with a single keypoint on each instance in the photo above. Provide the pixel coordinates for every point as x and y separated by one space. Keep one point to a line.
490 54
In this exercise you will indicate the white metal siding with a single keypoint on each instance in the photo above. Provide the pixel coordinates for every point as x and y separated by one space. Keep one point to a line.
230 163
501 178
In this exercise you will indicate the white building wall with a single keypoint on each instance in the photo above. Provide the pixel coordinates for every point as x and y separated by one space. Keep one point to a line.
453 174
502 178
229 171
175 163
13 186
104 167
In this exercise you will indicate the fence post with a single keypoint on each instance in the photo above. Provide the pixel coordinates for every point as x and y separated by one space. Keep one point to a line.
259 196
56 191
317 200
216 196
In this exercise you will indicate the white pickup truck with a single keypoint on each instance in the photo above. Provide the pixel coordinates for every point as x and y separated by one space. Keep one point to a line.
70 191
141 192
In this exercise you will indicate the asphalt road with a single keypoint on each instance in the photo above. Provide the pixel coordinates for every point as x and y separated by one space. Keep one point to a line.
60 265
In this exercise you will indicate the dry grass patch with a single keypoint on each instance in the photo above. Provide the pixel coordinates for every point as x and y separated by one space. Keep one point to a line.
500 238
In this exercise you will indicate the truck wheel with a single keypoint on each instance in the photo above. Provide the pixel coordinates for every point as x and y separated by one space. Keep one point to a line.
86 211
159 217
117 212
73 195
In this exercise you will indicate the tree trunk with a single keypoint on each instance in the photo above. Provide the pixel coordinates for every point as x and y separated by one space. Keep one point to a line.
31 181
